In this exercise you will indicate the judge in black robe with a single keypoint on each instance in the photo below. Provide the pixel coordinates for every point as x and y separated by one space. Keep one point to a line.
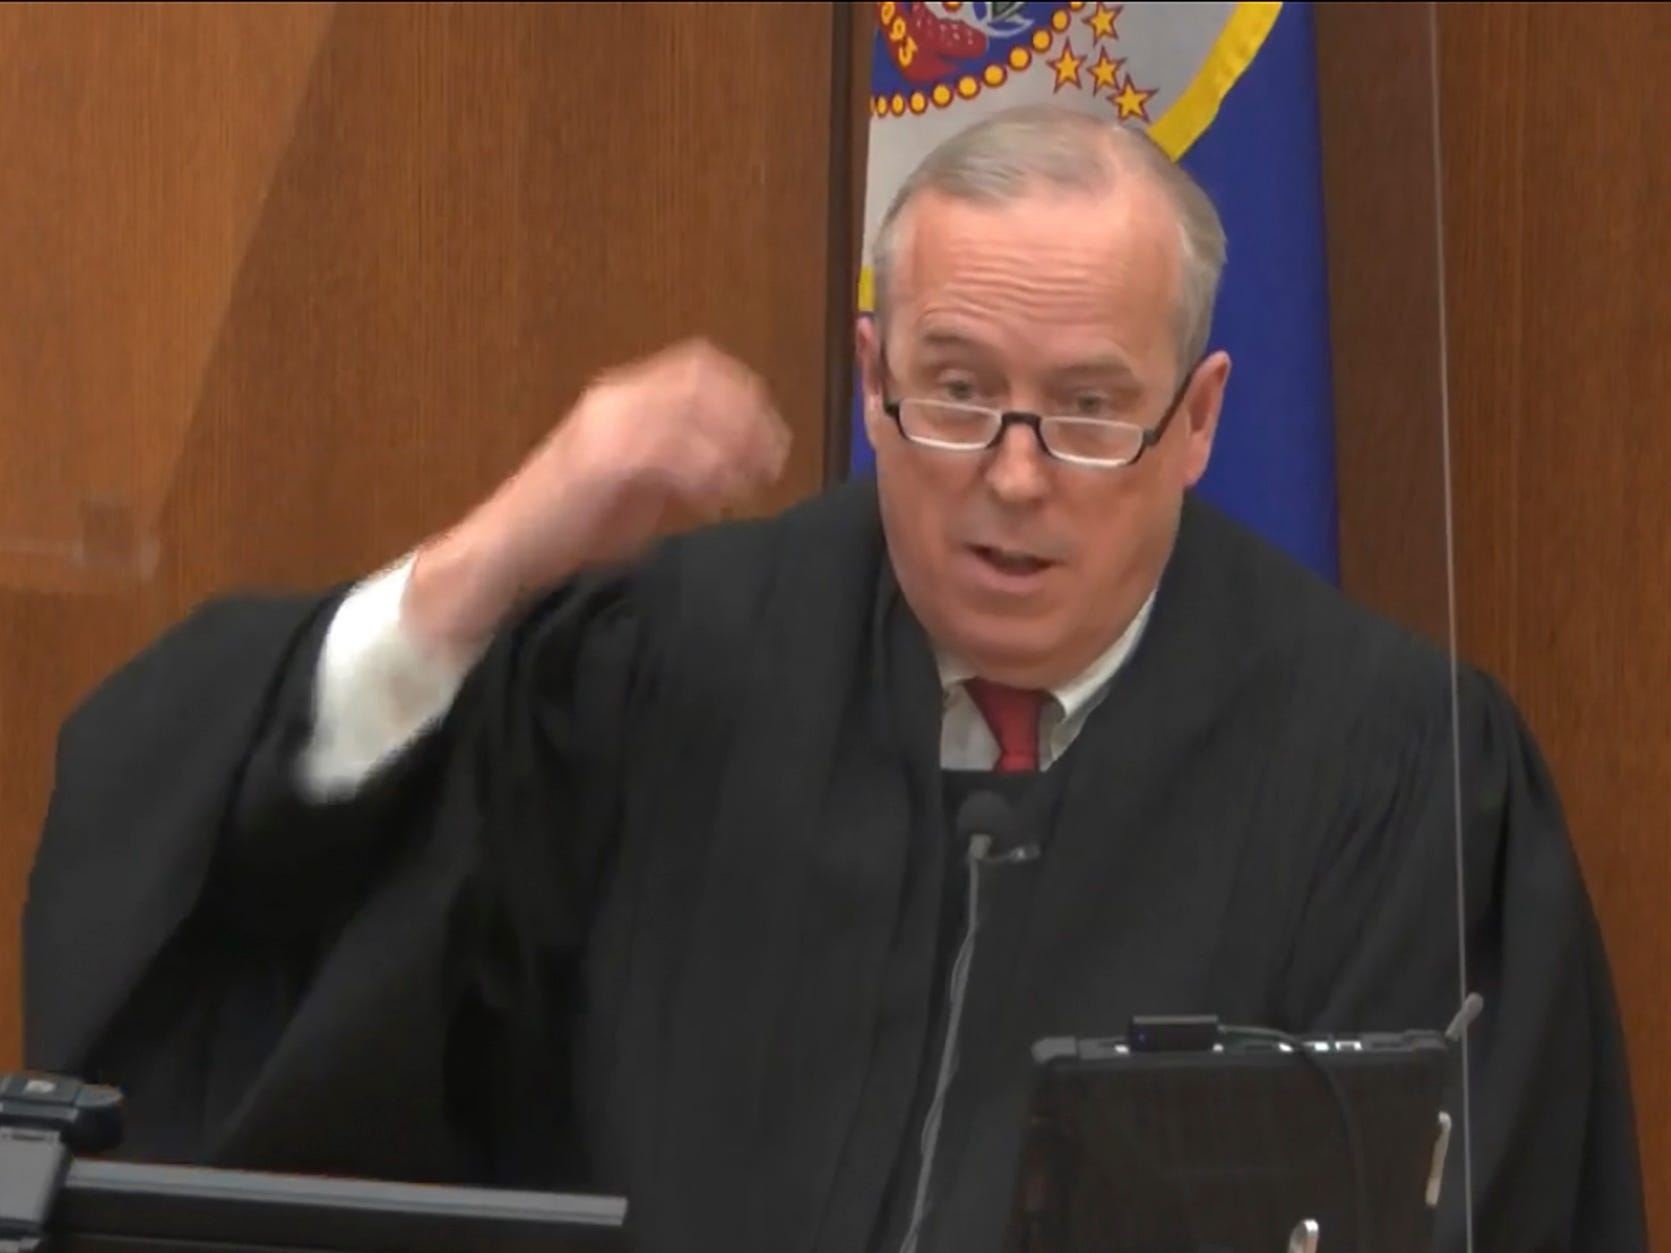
666 902
658 907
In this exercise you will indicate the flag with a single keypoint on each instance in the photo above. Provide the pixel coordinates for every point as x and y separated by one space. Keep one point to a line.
1229 91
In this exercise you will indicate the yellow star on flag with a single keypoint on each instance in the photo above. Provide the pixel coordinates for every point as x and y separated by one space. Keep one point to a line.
1102 22
1106 72
1067 67
1132 102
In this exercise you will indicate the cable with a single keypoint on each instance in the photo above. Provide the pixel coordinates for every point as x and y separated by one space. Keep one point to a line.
989 813
948 1049
1437 122
1349 1125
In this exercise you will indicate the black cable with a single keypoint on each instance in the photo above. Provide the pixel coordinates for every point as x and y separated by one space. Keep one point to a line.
1349 1125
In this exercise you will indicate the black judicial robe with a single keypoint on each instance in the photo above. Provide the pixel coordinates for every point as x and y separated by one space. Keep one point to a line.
656 908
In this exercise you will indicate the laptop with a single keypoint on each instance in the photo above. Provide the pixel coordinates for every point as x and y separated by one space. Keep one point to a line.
1178 1139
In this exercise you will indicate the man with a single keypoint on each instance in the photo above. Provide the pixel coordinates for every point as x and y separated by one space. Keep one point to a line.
556 856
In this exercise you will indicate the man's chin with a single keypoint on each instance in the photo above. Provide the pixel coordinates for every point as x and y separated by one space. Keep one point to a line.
1011 648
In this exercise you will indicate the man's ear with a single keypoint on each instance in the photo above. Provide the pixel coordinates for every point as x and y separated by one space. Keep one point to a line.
1202 405
865 346
867 349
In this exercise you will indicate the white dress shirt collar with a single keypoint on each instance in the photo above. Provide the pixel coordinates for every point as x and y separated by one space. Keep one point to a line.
967 744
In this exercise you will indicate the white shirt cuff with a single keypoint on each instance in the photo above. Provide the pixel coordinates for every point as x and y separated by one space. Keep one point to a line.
377 689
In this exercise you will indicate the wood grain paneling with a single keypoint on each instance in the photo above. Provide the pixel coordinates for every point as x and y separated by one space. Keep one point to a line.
1379 142
114 294
139 143
849 82
1557 296
860 34
302 284
1560 304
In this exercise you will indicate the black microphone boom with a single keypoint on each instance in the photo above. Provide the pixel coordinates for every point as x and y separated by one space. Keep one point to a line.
989 829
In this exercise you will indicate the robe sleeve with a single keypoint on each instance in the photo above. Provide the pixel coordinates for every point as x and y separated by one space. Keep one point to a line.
1554 1152
364 986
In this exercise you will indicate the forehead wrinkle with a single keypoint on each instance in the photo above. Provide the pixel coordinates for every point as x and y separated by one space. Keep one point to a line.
1020 281
1099 363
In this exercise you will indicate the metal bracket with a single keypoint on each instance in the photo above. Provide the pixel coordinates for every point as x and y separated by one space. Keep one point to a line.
1436 1171
44 1120
1303 1239
33 1164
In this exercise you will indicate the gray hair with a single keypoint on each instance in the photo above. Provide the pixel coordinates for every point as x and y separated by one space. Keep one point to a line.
1007 154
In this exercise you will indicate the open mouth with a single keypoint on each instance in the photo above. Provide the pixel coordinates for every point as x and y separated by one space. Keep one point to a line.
1010 562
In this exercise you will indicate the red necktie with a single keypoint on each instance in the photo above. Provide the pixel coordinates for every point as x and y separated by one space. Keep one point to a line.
1013 715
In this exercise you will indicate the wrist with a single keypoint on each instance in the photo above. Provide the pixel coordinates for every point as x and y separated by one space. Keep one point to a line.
458 593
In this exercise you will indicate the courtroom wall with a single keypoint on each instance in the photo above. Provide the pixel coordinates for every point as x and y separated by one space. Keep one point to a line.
1556 302
290 286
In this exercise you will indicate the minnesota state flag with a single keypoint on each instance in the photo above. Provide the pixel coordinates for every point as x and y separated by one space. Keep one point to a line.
1229 91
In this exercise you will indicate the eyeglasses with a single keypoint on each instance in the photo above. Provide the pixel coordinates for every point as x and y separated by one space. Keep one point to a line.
1102 443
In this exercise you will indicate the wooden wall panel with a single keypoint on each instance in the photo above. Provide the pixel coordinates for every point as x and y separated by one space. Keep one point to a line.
1558 301
1379 142
315 279
1560 305
139 143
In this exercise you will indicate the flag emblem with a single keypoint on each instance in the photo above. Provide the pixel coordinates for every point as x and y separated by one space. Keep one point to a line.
938 66
945 52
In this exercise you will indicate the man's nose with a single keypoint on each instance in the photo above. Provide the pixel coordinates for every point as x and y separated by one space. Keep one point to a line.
1018 472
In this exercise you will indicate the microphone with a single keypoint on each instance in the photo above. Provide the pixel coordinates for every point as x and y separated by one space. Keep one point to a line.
990 830
988 827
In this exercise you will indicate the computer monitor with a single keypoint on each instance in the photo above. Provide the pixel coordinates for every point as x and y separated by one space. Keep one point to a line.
57 1191
1144 1144
122 1207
